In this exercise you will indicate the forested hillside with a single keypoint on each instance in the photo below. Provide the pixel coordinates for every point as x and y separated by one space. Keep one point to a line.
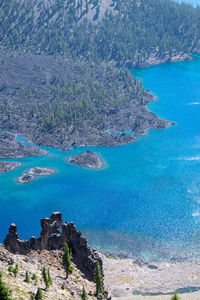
61 82
120 30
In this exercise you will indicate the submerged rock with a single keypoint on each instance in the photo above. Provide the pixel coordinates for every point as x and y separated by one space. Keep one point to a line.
6 166
87 159
26 178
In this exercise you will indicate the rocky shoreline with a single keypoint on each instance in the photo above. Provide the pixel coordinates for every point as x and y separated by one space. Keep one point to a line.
10 148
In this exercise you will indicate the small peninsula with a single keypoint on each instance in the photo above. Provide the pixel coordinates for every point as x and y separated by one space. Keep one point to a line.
6 166
10 148
87 159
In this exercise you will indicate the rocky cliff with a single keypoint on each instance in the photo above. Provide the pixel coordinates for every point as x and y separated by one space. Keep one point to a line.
52 238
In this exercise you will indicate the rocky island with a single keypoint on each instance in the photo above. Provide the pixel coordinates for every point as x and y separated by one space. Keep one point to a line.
41 171
25 178
87 159
32 173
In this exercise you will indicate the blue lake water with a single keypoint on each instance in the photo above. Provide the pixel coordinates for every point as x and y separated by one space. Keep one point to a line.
146 201
194 2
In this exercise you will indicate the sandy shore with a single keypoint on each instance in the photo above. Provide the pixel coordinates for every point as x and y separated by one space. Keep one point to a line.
123 277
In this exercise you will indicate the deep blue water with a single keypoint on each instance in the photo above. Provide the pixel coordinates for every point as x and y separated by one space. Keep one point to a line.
146 201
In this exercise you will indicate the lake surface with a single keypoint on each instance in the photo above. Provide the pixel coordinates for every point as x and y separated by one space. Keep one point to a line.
194 2
146 202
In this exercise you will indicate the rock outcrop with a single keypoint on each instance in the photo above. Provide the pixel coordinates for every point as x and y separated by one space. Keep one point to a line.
87 159
52 238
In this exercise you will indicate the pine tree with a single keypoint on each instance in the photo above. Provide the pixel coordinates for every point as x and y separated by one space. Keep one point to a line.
66 259
10 269
84 295
98 279
38 295
50 278
175 297
5 292
16 270
34 277
27 278
45 277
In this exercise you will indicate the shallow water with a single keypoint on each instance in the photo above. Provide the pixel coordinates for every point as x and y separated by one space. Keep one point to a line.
146 201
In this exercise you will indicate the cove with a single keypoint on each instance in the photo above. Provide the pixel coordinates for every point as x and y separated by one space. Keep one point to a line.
146 202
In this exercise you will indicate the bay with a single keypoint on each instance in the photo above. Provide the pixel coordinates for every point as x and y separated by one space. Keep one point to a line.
146 201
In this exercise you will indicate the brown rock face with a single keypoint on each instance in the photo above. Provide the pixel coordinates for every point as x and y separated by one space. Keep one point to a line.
52 238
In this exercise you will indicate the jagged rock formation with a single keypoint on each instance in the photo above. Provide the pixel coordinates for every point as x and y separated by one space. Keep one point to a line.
52 238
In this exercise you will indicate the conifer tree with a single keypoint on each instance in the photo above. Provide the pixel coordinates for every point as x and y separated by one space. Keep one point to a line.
175 297
45 277
66 259
49 278
98 279
10 269
16 270
34 277
38 295
5 293
84 295
27 278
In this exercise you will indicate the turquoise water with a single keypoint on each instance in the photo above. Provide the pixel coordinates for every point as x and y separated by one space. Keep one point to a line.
146 201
